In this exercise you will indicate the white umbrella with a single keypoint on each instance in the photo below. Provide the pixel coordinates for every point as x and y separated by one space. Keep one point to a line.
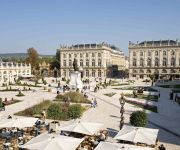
118 146
18 122
138 134
88 128
49 141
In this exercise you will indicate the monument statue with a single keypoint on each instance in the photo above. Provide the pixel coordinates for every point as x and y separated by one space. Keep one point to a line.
75 77
75 65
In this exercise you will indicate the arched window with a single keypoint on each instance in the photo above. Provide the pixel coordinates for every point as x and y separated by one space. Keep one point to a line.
164 62
99 73
64 55
87 62
164 71
93 73
81 63
156 62
156 71
172 71
134 71
141 62
93 62
134 62
164 53
87 73
173 61
149 62
141 53
148 71
172 52
134 53
156 53
99 62
70 63
64 62
141 71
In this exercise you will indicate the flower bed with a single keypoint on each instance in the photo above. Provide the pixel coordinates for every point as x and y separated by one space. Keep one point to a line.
142 105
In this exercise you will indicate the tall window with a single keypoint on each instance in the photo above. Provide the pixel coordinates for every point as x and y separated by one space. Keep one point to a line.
64 72
93 73
87 73
156 53
99 73
149 53
164 53
141 53
87 62
134 62
164 62
149 62
87 55
99 54
64 55
93 55
173 61
69 55
93 62
64 63
134 53
70 63
172 53
81 63
141 62
156 62
99 62
81 55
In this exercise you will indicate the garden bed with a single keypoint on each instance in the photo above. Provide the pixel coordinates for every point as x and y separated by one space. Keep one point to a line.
110 94
120 84
54 110
145 97
11 102
142 105
74 97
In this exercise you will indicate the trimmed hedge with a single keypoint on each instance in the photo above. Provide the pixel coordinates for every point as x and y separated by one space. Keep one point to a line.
75 111
138 119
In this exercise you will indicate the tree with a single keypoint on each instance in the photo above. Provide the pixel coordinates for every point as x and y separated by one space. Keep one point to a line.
55 63
33 58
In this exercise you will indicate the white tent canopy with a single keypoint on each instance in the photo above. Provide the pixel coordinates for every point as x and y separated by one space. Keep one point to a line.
118 146
48 141
18 122
88 128
138 134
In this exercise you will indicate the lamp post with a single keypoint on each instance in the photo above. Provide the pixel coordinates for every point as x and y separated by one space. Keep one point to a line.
122 102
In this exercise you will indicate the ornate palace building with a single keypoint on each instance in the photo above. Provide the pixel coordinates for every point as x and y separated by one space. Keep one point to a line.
160 58
10 71
96 60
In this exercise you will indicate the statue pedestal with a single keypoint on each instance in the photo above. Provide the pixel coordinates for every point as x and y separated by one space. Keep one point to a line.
75 80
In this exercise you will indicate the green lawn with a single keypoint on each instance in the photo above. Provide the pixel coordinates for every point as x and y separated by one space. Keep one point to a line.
146 97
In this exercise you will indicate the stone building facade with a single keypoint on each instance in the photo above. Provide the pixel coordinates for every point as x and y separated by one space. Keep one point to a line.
159 58
96 60
10 71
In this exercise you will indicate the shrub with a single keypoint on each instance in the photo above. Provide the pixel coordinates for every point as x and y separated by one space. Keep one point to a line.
20 94
138 118
1 103
63 79
55 111
75 111
76 97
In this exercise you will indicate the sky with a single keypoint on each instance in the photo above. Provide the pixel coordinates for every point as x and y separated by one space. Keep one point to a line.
47 24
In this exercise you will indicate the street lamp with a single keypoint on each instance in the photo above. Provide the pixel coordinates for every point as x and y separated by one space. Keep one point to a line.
122 110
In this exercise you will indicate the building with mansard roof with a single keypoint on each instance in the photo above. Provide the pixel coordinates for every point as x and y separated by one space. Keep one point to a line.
10 71
97 60
160 58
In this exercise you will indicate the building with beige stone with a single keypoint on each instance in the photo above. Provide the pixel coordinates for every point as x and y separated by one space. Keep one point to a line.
160 58
10 71
96 60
